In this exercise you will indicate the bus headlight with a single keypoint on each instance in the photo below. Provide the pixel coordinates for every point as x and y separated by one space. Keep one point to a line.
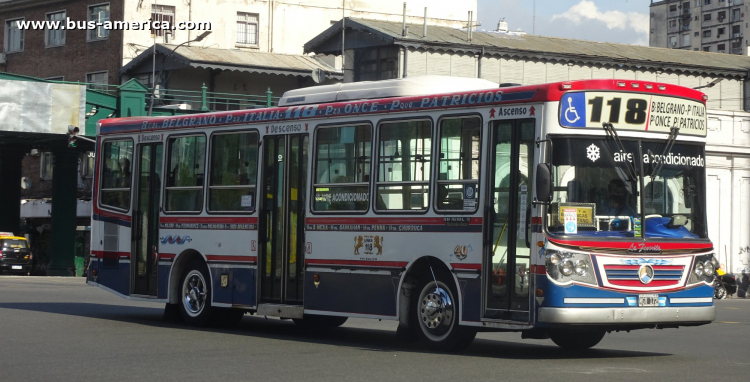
582 267
708 269
554 259
699 269
567 268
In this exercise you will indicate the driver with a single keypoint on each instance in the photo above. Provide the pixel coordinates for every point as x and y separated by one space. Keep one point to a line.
617 200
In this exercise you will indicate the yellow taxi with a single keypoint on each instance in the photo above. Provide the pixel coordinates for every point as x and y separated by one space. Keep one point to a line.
15 254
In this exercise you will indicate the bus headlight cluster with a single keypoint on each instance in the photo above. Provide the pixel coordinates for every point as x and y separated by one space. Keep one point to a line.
568 266
704 269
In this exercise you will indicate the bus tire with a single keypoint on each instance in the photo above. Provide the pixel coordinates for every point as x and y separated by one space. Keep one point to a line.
435 315
195 294
311 321
573 339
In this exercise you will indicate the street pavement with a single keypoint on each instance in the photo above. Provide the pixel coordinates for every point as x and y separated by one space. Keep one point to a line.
60 329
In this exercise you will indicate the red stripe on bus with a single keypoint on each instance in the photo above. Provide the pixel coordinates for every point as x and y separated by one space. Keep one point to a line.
466 266
210 220
622 267
108 214
249 259
394 220
536 220
637 283
626 245
668 267
363 263
110 254
538 269
167 256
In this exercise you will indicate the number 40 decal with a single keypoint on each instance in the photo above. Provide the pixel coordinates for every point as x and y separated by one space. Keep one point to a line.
635 114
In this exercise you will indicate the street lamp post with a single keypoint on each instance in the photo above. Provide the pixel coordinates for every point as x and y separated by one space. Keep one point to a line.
164 60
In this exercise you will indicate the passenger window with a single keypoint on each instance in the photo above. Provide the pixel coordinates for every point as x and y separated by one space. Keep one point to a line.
458 170
116 162
342 168
234 167
404 165
186 171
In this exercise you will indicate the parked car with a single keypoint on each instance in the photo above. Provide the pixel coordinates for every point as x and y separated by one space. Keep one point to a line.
15 254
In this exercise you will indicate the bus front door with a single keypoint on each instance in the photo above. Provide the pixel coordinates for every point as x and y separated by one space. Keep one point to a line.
145 237
281 236
506 264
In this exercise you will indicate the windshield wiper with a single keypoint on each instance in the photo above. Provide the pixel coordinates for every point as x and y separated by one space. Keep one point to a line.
612 133
673 132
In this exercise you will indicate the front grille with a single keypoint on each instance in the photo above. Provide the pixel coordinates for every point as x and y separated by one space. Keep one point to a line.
627 275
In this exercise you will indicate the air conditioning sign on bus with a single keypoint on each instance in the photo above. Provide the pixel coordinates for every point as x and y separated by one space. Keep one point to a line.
632 111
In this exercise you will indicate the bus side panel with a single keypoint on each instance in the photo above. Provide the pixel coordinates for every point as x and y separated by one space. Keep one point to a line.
162 289
358 293
113 253
243 280
222 292
471 293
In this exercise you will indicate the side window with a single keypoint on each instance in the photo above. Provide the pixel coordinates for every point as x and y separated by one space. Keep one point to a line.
186 173
342 168
234 172
403 165
458 166
117 158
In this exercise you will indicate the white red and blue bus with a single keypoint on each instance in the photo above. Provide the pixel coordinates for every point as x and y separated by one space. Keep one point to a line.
561 211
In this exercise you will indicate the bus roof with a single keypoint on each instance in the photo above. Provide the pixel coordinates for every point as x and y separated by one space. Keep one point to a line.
462 99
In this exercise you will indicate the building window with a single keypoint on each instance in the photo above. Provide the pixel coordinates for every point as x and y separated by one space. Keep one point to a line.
736 14
247 28
98 14
403 181
686 7
722 15
707 17
706 48
234 167
13 36
186 173
672 40
722 48
673 23
342 167
707 33
697 34
378 63
97 80
161 14
46 165
673 8
720 32
706 2
686 39
55 37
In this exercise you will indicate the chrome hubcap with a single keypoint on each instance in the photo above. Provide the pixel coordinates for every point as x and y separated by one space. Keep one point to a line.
194 293
436 311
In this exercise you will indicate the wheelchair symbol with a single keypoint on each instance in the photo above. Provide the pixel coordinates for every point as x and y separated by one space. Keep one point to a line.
571 110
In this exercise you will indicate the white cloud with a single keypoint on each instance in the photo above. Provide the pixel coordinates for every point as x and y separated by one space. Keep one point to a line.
586 10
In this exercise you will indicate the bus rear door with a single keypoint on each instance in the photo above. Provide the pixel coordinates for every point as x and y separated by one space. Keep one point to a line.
146 219
281 236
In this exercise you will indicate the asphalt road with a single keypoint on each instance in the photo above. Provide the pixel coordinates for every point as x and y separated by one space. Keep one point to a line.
60 329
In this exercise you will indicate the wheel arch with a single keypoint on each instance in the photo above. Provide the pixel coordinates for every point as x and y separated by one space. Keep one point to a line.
178 267
418 270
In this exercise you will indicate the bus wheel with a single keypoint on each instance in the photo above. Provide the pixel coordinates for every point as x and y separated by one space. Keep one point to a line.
195 295
576 339
437 318
315 321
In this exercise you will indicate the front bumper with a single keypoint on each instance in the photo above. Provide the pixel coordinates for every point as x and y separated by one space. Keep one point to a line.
616 316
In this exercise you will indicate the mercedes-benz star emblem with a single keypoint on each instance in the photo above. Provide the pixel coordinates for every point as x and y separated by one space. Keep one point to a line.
646 273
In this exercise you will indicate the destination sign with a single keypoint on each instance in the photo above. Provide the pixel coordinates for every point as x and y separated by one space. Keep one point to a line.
633 111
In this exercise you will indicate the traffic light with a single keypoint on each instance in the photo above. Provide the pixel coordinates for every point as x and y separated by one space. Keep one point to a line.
72 132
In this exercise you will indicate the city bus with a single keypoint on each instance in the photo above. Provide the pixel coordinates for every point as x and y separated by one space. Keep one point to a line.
562 211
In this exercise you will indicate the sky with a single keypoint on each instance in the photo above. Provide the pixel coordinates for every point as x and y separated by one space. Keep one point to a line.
618 21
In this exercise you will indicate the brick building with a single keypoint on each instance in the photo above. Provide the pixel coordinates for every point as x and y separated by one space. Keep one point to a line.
69 55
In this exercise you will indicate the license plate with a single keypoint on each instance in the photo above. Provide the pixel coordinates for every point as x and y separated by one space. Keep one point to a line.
648 300
16 267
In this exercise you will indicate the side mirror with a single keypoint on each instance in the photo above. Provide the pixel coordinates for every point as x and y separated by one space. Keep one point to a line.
543 183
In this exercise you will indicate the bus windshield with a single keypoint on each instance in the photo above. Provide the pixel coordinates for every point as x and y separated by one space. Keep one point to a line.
597 189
